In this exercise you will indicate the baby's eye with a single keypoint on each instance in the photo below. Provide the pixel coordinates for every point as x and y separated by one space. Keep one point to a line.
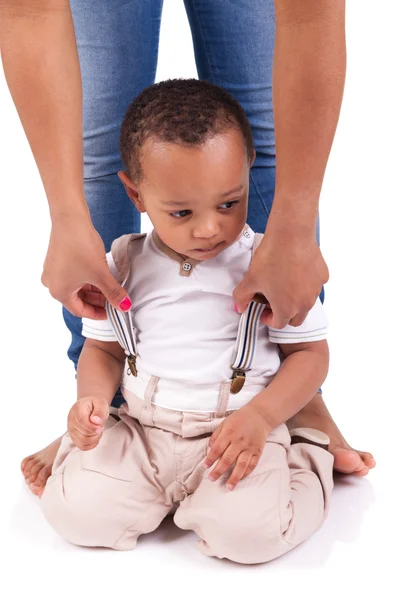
180 214
229 204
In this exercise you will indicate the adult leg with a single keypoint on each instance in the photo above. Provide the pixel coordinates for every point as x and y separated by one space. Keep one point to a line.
234 49
346 459
118 48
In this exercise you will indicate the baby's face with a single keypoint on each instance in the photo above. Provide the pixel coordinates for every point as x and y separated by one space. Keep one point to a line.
196 197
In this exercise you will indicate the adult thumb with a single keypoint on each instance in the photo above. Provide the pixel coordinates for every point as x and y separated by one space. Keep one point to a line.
242 295
114 293
100 411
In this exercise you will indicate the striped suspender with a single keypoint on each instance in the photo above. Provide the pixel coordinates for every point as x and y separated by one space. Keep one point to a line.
122 322
247 335
125 334
245 346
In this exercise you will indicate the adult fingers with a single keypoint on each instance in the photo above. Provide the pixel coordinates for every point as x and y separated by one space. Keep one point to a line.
299 318
243 293
80 308
114 293
279 319
275 317
266 316
93 298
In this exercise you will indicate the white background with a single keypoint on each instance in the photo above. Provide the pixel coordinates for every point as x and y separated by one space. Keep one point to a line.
355 552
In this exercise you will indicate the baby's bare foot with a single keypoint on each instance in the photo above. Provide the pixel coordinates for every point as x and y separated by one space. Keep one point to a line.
37 468
346 459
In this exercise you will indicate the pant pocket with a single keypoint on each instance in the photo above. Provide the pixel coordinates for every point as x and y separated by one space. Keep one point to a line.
120 453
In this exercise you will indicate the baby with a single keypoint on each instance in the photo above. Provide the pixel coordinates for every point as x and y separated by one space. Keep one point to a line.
202 433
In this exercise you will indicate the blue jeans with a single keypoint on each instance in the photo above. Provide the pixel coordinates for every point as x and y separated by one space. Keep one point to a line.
118 47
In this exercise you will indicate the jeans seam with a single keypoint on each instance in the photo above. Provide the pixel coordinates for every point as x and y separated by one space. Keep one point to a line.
259 195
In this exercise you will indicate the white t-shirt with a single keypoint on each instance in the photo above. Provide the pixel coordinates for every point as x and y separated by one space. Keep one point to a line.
186 326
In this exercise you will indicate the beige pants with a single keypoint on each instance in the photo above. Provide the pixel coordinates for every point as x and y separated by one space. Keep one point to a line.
151 463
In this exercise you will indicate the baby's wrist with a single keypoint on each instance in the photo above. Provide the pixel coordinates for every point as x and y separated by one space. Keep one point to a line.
258 404
94 396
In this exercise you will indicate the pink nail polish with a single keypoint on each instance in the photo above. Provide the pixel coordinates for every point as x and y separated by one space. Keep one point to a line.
236 308
125 304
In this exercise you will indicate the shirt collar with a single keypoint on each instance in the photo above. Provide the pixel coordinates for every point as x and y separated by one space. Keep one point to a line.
187 264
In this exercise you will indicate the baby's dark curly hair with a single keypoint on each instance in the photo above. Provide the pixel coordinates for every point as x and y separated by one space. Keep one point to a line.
182 111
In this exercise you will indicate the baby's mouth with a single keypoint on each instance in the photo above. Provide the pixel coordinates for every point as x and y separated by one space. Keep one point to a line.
205 250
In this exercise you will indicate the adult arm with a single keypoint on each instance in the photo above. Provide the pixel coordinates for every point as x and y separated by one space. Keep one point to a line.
41 66
308 80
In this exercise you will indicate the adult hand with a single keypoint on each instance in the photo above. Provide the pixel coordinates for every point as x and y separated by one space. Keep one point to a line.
76 270
86 421
290 271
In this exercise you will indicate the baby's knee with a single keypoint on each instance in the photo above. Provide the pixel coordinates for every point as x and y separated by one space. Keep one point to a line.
237 529
77 512
245 538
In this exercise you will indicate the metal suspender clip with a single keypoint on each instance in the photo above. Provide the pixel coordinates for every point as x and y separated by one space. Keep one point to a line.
238 379
132 370
246 341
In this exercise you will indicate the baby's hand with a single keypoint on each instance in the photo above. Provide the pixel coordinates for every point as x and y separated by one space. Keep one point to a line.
86 421
239 439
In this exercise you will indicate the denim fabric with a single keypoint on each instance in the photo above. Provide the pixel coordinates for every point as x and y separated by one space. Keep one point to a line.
118 47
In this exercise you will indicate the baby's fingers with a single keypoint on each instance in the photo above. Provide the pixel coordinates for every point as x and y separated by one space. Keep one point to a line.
226 460
245 463
82 419
84 442
219 446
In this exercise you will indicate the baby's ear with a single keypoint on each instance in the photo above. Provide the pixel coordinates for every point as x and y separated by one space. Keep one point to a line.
131 190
